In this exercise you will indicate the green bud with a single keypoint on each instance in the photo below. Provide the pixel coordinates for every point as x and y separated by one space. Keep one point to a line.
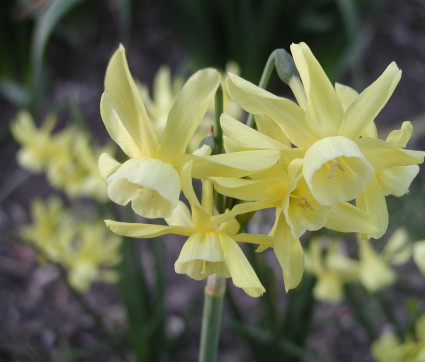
285 66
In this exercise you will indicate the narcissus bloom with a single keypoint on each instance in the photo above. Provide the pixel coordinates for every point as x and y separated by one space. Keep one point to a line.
322 124
211 246
150 178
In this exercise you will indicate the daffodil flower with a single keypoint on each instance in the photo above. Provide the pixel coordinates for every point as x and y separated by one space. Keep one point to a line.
150 178
334 168
296 211
211 246
332 271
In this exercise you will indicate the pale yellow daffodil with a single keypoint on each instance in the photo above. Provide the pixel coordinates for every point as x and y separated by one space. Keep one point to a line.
211 246
150 178
325 126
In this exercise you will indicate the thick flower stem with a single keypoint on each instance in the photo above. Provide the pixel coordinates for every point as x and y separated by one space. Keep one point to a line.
211 318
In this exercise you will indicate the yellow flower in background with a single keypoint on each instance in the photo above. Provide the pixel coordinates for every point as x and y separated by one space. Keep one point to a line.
37 148
83 248
375 269
333 270
164 93
327 124
388 348
150 178
91 255
51 230
211 246
67 157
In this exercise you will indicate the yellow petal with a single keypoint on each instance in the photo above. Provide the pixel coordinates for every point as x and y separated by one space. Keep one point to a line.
187 112
246 136
283 111
289 253
346 95
336 170
153 186
383 155
258 239
387 348
180 216
346 218
270 128
238 164
372 201
369 103
107 165
400 137
137 230
123 111
324 109
251 190
243 276
396 180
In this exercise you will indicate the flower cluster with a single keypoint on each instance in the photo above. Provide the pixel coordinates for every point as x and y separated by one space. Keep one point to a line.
82 247
318 162
67 157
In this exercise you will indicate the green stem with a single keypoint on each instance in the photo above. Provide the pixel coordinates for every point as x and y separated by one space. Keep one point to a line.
211 318
218 132
389 313
265 77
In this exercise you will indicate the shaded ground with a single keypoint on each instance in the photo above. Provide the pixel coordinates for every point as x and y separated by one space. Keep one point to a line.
40 318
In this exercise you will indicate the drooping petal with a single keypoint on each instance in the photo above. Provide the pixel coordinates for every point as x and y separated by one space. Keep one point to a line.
107 165
238 164
396 180
383 155
336 170
289 253
324 110
283 111
372 201
347 218
123 111
369 103
138 230
153 186
187 112
243 276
